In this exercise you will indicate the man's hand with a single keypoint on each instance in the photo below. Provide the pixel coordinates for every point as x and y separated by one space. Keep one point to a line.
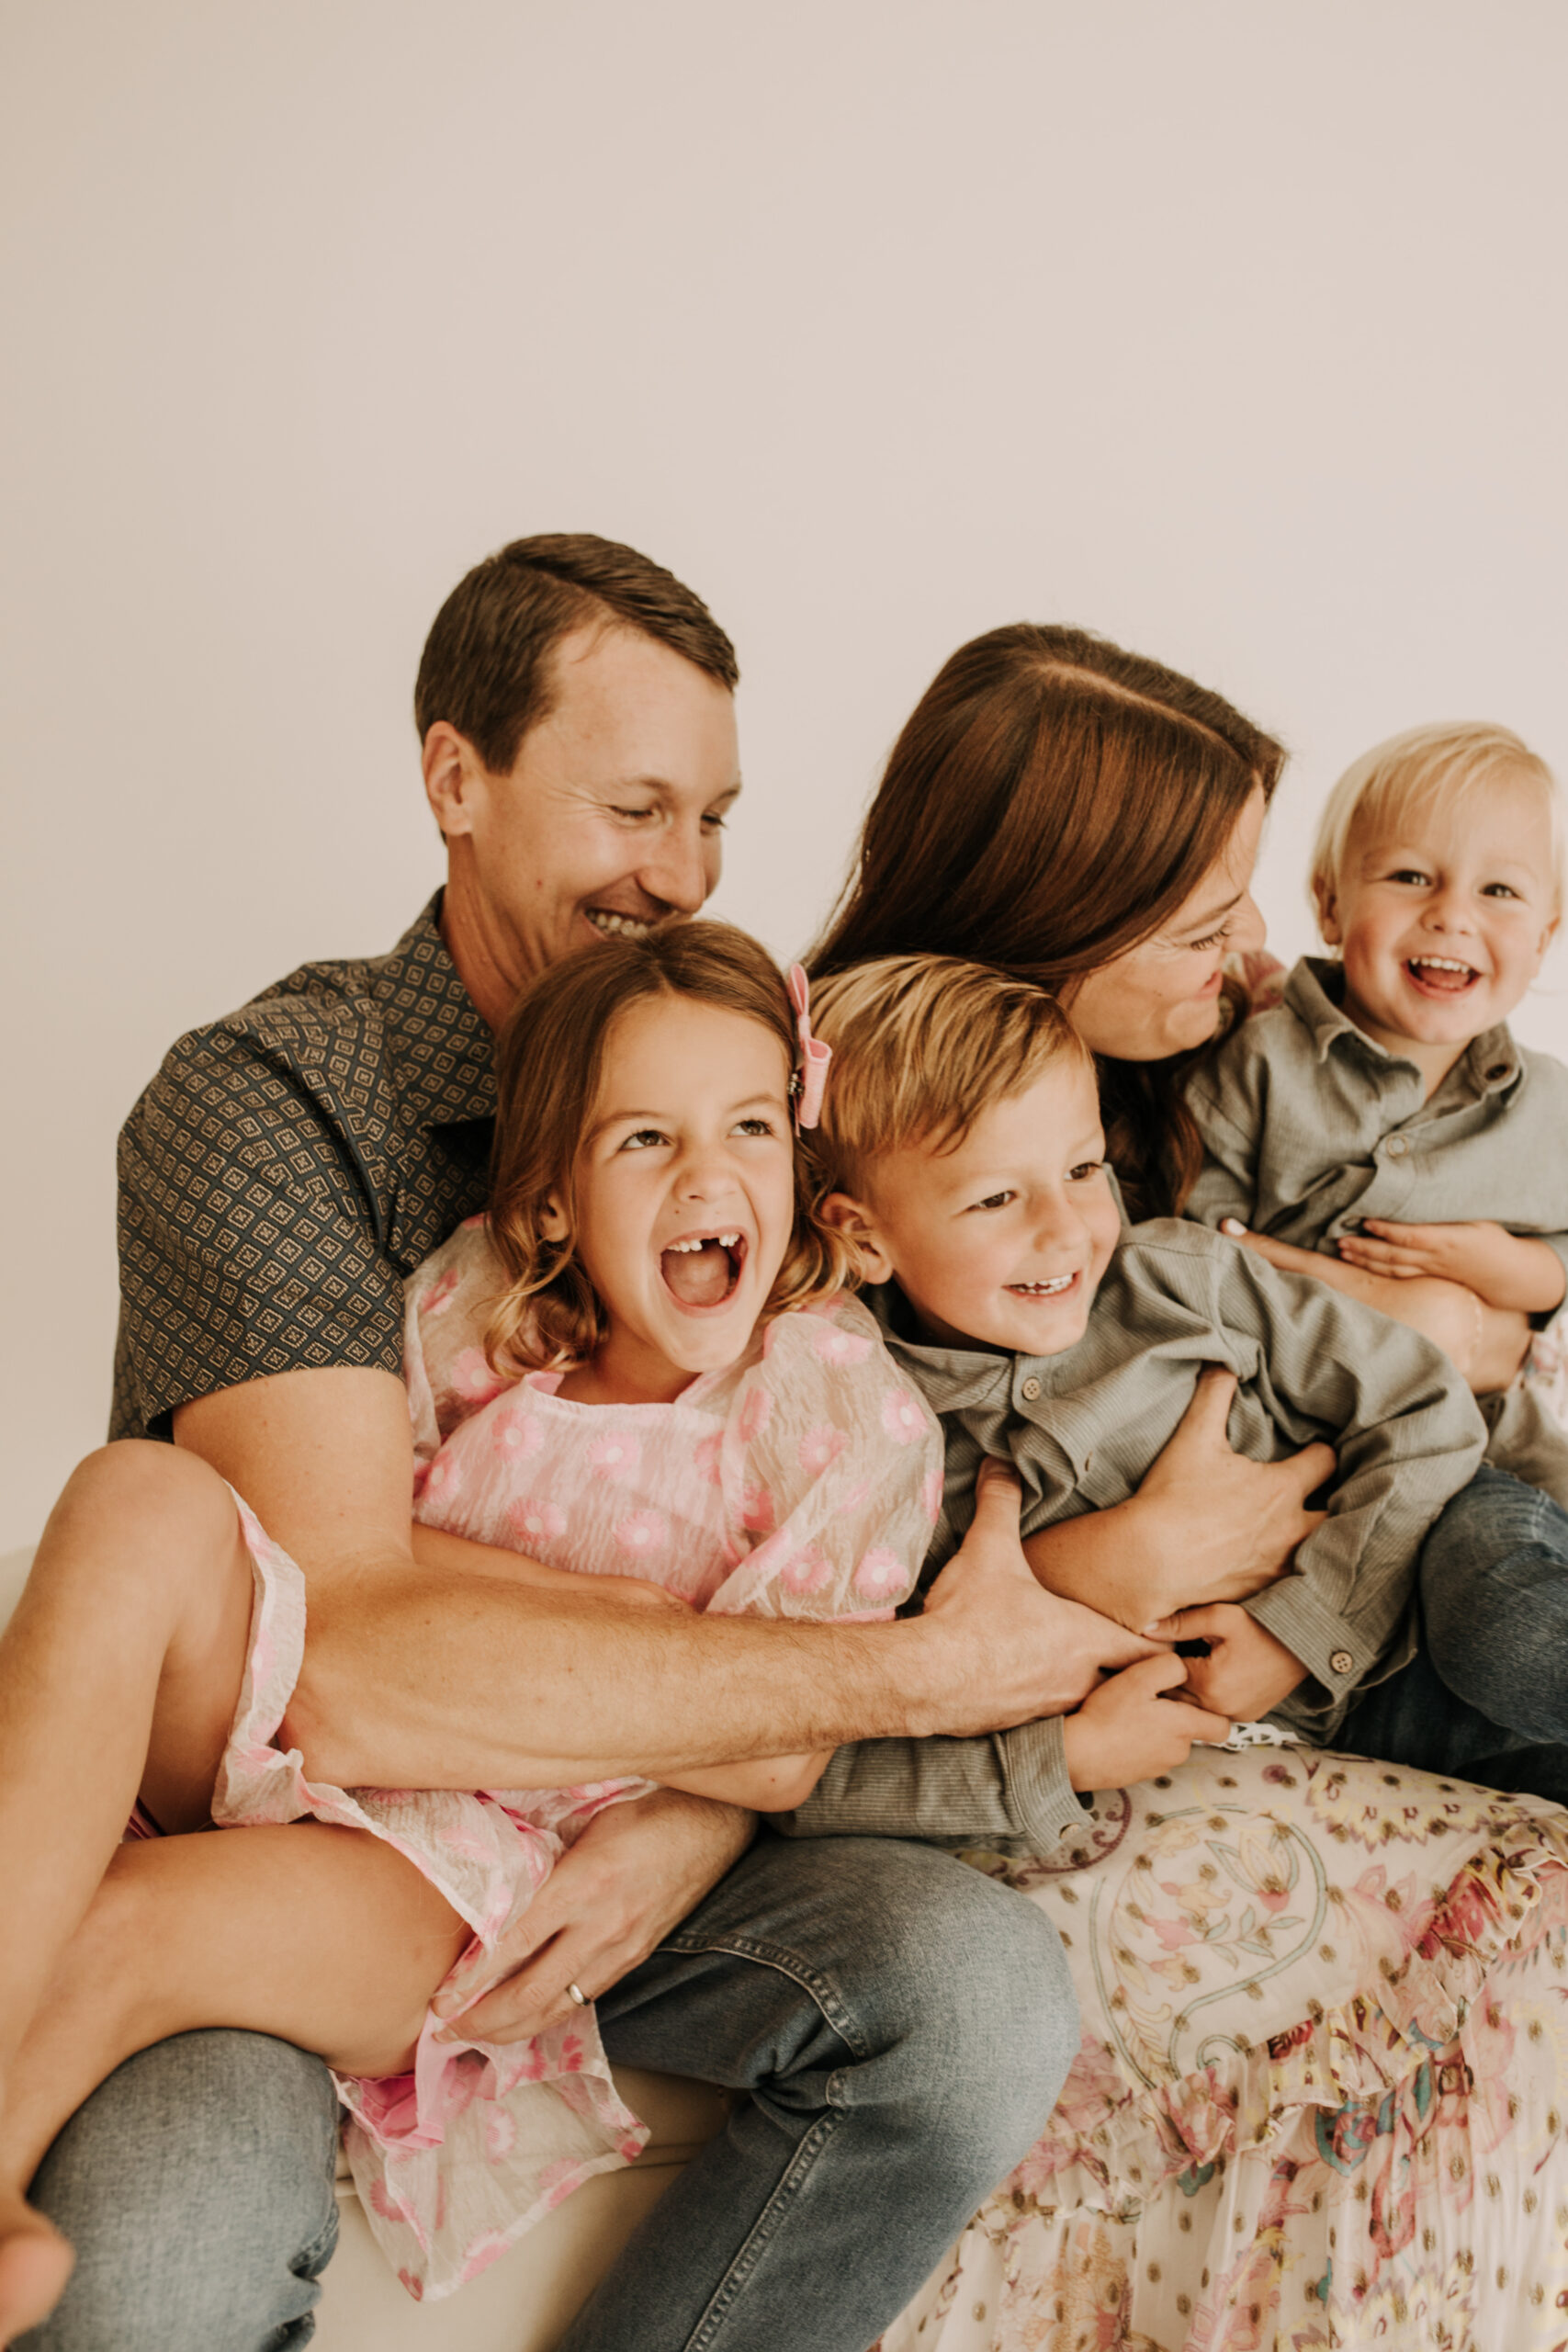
636 1872
1137 1723
1013 1651
1487 1344
1247 1672
1502 1269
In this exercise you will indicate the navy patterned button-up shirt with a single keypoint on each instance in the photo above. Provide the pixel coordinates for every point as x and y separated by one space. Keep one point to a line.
288 1167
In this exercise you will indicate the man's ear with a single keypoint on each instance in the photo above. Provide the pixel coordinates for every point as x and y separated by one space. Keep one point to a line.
1328 913
855 1222
454 773
553 1222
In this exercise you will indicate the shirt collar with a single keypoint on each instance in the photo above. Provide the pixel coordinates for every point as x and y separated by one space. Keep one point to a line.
953 1379
443 1049
1312 992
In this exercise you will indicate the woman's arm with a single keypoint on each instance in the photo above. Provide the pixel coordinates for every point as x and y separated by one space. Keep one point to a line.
1206 1525
1486 1344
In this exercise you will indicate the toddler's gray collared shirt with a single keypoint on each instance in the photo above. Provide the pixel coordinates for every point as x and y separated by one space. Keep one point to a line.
1309 1125
1082 1429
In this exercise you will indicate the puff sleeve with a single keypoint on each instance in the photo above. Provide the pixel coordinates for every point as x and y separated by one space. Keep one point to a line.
830 1462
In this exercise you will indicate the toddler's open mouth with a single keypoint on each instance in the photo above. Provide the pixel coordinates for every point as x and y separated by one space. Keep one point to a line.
701 1269
1441 974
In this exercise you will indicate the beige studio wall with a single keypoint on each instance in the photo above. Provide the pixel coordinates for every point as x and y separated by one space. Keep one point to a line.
1232 331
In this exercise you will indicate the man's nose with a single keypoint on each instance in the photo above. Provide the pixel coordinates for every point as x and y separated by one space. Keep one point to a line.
682 869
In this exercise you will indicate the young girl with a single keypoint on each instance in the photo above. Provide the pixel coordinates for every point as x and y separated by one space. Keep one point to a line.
640 1366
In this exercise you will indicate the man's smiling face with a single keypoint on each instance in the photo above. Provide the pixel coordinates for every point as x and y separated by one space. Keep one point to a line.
611 817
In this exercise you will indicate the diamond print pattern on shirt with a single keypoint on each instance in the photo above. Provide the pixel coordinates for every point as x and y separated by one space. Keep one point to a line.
288 1167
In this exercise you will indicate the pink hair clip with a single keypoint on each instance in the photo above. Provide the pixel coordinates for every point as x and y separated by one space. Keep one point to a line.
809 1079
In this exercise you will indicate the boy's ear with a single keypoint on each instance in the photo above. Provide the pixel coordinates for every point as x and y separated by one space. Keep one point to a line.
854 1221
1328 913
552 1221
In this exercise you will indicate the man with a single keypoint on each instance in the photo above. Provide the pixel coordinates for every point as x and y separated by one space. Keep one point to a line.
904 2024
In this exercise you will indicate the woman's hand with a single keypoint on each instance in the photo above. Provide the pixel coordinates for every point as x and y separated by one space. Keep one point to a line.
634 1872
1487 1344
1502 1269
1137 1723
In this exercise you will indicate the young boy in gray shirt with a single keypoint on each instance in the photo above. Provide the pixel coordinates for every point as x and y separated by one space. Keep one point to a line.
959 1148
1382 1113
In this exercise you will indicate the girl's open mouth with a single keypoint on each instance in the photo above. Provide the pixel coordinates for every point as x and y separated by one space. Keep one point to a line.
702 1270
1441 975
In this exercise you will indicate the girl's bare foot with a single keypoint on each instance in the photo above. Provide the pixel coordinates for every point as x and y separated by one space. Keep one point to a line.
35 2263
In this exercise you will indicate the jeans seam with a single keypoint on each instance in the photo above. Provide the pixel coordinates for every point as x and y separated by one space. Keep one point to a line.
765 2229
787 1963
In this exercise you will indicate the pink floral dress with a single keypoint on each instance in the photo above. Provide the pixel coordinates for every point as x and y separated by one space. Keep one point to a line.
803 1481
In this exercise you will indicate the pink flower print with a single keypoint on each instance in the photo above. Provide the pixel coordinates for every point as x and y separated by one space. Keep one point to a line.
881 1574
421 1478
439 1295
820 1448
535 1520
617 1455
837 1346
902 1417
413 2286
807 1571
481 2253
643 1531
706 1453
518 1435
473 1377
558 2180
754 1413
931 1494
392 2206
501 2133
757 1509
442 1479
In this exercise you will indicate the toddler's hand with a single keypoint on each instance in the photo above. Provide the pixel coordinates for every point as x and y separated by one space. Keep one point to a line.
1502 1268
1132 1728
1247 1672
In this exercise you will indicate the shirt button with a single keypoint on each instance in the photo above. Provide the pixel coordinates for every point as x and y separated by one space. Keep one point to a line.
1397 1146
1028 1389
1342 1661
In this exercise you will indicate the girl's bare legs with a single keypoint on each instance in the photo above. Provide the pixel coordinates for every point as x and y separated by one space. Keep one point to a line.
118 1673
323 1937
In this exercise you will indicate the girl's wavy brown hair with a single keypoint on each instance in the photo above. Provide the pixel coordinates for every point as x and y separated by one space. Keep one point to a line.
549 1060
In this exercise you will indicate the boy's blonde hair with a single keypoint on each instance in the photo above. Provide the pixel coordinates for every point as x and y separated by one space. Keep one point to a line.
921 1044
548 1058
1440 767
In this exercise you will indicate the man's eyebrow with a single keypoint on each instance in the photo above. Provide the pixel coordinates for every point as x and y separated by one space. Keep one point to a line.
665 790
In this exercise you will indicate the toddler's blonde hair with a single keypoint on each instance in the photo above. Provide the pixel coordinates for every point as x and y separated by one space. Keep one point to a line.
1440 767
921 1044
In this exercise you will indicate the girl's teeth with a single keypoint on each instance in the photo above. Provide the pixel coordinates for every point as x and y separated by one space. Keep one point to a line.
724 1240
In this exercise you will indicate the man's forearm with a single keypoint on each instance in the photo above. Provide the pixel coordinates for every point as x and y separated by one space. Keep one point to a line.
479 1681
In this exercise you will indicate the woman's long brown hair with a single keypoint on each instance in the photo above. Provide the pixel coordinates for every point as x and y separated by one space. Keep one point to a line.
1050 802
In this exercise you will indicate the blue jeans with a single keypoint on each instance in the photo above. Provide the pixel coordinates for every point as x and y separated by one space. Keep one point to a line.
902 2026
1486 1696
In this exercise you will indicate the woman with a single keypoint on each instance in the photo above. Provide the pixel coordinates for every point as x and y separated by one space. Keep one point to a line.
1089 818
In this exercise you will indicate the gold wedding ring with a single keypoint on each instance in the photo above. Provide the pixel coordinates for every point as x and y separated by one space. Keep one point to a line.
575 1993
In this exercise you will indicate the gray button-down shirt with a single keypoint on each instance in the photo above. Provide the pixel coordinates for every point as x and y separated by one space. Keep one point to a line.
1309 1125
1082 1429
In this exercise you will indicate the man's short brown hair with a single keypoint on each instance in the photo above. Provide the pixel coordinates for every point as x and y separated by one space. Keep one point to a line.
485 669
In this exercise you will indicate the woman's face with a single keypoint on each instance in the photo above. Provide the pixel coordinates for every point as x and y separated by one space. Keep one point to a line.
1163 996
